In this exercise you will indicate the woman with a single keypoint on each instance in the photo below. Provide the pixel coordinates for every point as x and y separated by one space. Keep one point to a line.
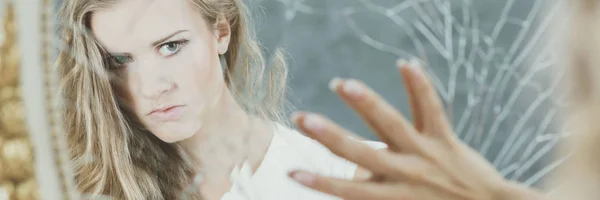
160 91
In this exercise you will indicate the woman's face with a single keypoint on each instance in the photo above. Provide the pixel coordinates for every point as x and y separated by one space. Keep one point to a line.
167 60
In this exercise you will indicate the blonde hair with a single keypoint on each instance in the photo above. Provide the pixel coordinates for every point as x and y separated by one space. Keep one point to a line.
112 153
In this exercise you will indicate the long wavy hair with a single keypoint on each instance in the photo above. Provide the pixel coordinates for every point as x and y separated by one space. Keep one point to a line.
112 153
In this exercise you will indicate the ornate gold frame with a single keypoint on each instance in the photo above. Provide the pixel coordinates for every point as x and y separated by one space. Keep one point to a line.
19 178
17 174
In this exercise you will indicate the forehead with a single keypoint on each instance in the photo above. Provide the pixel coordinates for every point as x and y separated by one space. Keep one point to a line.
131 24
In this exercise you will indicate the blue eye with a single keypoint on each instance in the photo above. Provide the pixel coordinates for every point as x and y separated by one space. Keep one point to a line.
118 61
121 59
170 48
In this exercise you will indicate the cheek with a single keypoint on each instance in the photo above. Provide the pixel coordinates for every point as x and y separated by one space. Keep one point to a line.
122 86
125 88
200 71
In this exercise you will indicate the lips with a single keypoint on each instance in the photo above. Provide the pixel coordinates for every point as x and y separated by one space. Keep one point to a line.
167 113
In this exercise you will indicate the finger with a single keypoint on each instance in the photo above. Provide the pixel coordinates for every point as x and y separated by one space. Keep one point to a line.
430 104
351 190
337 140
417 116
422 184
395 166
381 117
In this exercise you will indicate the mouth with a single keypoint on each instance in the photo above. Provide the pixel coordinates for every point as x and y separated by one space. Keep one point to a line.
167 113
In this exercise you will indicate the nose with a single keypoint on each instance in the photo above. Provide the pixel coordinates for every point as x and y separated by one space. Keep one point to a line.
154 84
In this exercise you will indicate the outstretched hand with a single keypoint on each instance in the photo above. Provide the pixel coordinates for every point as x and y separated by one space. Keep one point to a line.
424 160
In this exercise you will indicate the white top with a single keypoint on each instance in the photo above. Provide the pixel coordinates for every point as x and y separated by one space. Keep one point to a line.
289 150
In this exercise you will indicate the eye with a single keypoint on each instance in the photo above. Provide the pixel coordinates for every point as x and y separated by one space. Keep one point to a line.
118 61
121 60
169 48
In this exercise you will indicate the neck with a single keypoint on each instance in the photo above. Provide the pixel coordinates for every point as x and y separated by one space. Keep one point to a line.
229 136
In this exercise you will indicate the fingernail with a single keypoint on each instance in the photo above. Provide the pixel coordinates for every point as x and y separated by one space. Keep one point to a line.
304 178
400 63
353 89
314 123
419 75
414 62
334 83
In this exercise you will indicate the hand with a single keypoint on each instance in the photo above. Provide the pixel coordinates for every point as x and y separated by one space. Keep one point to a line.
424 160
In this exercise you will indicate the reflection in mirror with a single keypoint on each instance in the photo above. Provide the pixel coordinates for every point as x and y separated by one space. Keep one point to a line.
125 97
173 90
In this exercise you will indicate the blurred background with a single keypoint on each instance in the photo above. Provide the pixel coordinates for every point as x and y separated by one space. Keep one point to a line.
490 60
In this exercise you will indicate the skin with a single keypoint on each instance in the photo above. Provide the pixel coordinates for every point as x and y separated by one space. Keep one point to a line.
425 160
165 54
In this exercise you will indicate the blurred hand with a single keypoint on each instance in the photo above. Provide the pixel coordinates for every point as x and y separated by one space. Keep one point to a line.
424 160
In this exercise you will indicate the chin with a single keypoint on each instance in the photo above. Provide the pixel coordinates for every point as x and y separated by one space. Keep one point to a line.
174 138
173 135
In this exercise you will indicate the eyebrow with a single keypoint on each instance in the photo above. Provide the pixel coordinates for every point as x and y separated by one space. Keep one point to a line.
156 43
